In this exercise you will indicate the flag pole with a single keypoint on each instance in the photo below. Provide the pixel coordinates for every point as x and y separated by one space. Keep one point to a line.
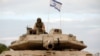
60 21
57 5
48 16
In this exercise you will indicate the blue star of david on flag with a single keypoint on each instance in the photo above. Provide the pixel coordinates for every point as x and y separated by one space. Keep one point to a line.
57 5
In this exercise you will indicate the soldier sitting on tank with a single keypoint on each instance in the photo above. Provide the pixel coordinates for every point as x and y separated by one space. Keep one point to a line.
39 27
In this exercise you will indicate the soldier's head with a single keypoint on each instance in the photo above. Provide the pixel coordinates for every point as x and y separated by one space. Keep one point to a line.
38 20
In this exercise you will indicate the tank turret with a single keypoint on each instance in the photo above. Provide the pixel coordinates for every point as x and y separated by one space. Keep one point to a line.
54 40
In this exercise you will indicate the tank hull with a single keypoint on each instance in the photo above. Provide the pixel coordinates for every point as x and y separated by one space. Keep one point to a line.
45 53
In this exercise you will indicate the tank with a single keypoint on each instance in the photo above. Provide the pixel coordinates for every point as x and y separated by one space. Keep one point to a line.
53 43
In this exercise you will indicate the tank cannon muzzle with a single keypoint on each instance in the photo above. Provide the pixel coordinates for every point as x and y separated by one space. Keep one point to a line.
48 44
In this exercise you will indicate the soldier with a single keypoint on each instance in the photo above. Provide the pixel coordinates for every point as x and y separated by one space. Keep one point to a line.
39 26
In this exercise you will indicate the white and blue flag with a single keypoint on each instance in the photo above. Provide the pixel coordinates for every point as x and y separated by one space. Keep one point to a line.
57 5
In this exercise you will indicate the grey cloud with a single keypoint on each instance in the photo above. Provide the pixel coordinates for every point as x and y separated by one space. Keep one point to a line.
12 28
27 6
40 6
82 6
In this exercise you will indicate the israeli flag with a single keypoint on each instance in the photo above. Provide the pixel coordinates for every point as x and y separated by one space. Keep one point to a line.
57 5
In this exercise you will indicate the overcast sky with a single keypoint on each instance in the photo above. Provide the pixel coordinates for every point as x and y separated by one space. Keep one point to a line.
78 17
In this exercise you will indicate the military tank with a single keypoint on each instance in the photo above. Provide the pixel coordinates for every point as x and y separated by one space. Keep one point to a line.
53 43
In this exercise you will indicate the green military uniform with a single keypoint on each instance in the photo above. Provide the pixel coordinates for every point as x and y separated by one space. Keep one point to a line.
39 26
